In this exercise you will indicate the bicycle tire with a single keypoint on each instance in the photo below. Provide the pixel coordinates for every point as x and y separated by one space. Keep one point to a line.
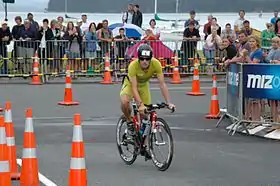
162 166
123 157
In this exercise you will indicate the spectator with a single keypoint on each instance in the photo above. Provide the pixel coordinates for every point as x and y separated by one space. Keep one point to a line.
246 28
105 37
229 48
137 18
212 44
27 46
16 28
5 39
190 37
267 35
60 25
75 40
274 19
122 43
214 25
128 15
253 106
84 23
79 27
243 48
45 34
243 41
56 47
91 41
34 24
90 46
149 35
228 33
277 27
238 25
241 54
207 26
15 32
192 19
155 30
274 54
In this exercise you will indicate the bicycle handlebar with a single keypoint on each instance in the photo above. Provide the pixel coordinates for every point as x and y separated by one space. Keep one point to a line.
153 107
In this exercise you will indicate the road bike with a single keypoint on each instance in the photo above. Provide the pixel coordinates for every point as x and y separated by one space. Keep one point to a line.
152 132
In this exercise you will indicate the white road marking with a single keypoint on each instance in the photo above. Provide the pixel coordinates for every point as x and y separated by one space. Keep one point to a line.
42 178
105 124
185 88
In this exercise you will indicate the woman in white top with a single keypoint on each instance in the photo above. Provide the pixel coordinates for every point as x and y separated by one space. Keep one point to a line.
156 30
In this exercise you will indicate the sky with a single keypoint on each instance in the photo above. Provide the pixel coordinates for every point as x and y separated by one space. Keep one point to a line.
23 6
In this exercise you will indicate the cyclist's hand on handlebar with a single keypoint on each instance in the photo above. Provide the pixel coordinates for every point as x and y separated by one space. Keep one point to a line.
142 109
171 107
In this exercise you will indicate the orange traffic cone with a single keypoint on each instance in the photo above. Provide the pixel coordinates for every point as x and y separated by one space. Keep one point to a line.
78 172
36 78
214 105
68 95
5 178
107 73
10 133
176 79
195 83
29 170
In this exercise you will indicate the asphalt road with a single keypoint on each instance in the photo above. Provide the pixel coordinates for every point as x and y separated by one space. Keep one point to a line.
204 155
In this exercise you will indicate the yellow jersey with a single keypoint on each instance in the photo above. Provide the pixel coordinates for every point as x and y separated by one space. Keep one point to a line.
135 70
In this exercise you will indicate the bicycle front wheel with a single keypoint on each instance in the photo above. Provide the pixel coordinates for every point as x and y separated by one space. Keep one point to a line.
156 139
124 142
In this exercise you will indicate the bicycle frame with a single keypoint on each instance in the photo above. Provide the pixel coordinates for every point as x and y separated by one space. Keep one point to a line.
137 121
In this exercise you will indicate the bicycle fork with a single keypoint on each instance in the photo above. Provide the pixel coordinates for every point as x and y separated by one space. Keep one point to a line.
156 131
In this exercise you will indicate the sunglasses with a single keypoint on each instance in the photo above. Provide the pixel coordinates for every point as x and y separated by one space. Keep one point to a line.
144 59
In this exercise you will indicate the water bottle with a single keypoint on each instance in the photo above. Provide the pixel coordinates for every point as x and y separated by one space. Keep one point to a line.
143 127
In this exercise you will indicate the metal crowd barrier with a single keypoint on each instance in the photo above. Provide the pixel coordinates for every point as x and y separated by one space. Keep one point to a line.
84 63
252 99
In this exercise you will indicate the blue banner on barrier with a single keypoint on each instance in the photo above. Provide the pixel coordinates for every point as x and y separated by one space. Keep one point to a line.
261 81
233 84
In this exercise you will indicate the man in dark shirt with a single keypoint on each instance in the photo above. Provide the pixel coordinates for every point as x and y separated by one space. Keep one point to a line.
27 45
122 43
192 19
190 38
5 39
137 18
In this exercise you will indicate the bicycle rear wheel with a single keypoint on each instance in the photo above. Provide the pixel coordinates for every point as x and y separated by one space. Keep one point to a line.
156 139
124 141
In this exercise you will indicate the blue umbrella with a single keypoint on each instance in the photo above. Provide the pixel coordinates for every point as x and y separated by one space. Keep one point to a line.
130 29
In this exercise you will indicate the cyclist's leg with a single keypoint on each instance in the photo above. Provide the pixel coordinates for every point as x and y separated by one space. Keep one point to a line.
145 95
126 95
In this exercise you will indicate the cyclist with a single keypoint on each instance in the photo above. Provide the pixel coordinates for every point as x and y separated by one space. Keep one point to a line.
136 84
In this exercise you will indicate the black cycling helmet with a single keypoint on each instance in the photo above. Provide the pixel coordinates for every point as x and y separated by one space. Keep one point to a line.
145 51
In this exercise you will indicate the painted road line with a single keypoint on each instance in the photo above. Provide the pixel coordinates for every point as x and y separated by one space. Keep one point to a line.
185 88
91 118
105 124
42 178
